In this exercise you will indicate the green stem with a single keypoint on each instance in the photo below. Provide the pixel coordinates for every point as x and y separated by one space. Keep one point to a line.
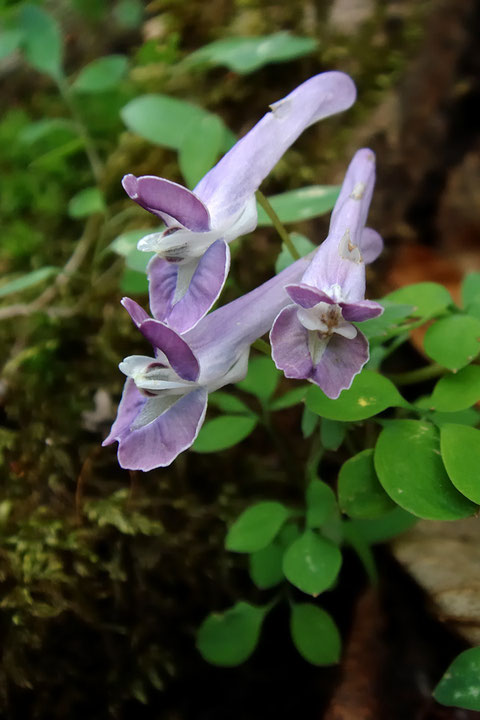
90 150
262 346
276 222
417 376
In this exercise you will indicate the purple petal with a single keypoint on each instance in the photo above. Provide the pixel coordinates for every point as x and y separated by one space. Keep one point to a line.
227 187
341 361
177 351
307 296
289 340
130 405
205 287
158 443
136 312
168 200
371 245
162 281
338 261
359 311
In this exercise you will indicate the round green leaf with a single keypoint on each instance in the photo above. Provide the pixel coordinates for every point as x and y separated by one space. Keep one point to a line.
302 204
291 398
266 566
223 432
228 403
427 298
381 529
460 686
165 120
245 54
332 433
360 494
315 635
369 394
453 341
102 74
229 638
312 563
86 202
460 446
457 391
409 466
256 527
388 322
321 503
262 378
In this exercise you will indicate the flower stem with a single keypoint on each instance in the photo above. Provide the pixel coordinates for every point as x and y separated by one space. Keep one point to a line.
90 150
262 347
286 239
417 376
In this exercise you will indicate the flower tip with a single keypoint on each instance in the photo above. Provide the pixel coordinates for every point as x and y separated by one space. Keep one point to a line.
130 185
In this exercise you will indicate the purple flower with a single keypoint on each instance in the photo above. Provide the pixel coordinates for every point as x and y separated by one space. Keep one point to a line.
165 397
193 257
314 338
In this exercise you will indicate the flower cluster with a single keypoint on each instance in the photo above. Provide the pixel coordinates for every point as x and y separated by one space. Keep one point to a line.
310 308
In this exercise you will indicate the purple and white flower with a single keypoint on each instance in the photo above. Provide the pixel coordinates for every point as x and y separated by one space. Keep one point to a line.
314 338
165 397
193 257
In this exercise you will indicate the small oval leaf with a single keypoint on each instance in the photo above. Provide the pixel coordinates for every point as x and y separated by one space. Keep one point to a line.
102 74
302 204
256 527
266 566
453 341
229 638
460 686
315 635
360 494
457 391
369 394
312 563
223 432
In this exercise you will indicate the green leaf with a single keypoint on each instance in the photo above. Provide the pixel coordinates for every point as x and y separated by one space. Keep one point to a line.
246 54
165 120
332 433
312 563
460 447
315 635
10 40
134 283
470 417
360 494
388 323
321 503
223 432
228 403
471 289
427 298
200 148
302 204
308 423
381 529
256 527
460 686
26 281
457 391
453 341
302 245
101 75
86 202
291 398
41 129
262 378
409 466
369 395
126 246
41 40
266 566
230 638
